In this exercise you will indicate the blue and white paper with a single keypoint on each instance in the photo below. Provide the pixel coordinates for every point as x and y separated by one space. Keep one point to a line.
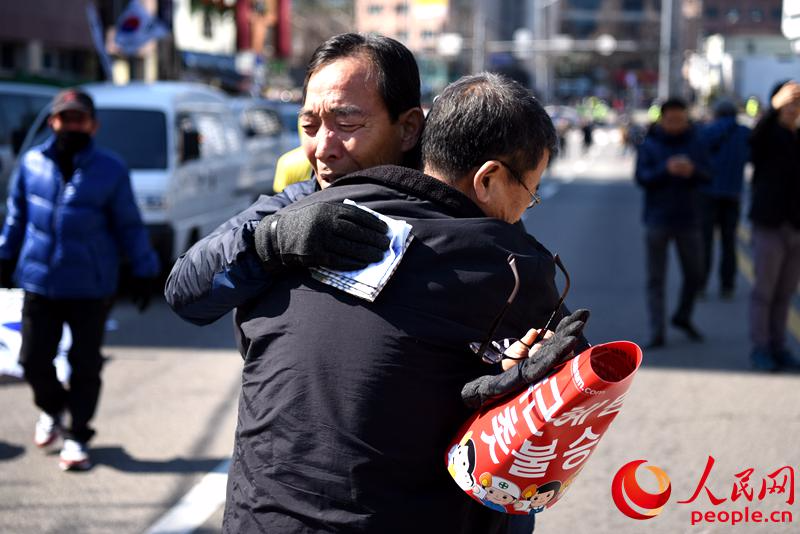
368 282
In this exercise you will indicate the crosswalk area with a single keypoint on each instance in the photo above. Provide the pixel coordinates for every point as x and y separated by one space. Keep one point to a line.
607 159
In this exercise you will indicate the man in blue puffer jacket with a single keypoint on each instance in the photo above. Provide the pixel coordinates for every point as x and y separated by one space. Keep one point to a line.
729 152
71 213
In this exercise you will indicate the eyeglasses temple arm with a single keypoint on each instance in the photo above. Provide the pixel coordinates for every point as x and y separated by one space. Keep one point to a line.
512 262
540 336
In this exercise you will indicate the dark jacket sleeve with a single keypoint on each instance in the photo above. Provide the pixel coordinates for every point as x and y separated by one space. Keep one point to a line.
651 167
16 217
701 158
223 271
762 136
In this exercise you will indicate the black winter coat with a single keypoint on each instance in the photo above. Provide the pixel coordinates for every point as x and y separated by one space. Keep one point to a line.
776 173
348 407
671 201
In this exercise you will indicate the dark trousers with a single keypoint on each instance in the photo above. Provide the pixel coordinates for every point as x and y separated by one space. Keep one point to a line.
42 324
776 262
690 255
723 214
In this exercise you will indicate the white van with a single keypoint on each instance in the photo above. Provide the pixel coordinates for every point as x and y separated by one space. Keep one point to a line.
266 138
184 149
20 103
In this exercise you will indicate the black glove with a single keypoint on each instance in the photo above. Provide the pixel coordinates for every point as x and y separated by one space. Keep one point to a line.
7 273
141 291
551 352
326 234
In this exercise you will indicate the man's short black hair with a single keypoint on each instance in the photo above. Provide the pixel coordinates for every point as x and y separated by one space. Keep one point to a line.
674 103
393 64
483 117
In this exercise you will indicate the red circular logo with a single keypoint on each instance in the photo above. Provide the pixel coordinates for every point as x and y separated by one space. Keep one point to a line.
130 24
631 499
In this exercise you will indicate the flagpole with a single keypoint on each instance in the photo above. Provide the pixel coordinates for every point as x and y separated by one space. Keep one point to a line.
96 30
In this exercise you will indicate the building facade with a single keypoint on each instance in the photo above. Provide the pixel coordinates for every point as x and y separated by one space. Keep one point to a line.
415 23
742 51
40 40
626 70
742 17
418 24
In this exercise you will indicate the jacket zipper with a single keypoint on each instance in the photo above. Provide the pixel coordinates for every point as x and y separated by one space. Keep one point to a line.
57 205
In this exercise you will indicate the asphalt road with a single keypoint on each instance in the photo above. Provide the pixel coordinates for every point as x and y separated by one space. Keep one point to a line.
168 412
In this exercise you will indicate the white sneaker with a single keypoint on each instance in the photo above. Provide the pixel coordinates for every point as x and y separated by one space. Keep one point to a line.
48 429
74 456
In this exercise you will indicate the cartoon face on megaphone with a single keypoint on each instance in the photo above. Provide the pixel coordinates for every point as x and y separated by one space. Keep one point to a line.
498 492
461 462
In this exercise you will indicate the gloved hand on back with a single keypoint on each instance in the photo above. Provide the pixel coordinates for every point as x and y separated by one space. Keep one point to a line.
551 352
338 236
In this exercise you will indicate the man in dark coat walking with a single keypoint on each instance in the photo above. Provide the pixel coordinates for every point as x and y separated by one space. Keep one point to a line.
670 166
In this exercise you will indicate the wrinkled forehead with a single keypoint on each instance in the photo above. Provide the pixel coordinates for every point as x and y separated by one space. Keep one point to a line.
346 84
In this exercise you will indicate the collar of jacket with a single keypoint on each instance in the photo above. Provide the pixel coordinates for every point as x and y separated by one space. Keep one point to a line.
418 184
49 150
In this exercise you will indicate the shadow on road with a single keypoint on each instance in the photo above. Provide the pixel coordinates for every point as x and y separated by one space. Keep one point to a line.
9 451
8 380
117 458
159 326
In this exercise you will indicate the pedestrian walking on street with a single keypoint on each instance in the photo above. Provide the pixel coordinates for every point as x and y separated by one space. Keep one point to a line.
775 215
671 165
71 212
729 151
588 135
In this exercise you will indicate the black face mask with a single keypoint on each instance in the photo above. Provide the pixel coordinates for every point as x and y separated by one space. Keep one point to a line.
71 142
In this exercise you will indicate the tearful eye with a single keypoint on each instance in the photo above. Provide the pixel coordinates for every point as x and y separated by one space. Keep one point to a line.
310 128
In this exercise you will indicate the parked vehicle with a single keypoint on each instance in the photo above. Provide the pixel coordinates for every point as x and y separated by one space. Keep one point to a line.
185 152
289 113
19 105
266 138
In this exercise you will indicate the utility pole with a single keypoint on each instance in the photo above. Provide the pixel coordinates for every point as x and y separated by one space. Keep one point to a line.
665 50
541 67
478 36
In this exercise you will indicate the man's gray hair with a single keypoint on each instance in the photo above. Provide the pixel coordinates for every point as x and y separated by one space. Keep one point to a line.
482 117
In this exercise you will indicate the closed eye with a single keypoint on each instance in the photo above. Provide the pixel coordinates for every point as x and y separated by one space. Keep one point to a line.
349 127
310 128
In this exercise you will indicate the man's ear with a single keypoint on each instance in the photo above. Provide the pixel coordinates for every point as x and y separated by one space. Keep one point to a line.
485 182
411 122
95 126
